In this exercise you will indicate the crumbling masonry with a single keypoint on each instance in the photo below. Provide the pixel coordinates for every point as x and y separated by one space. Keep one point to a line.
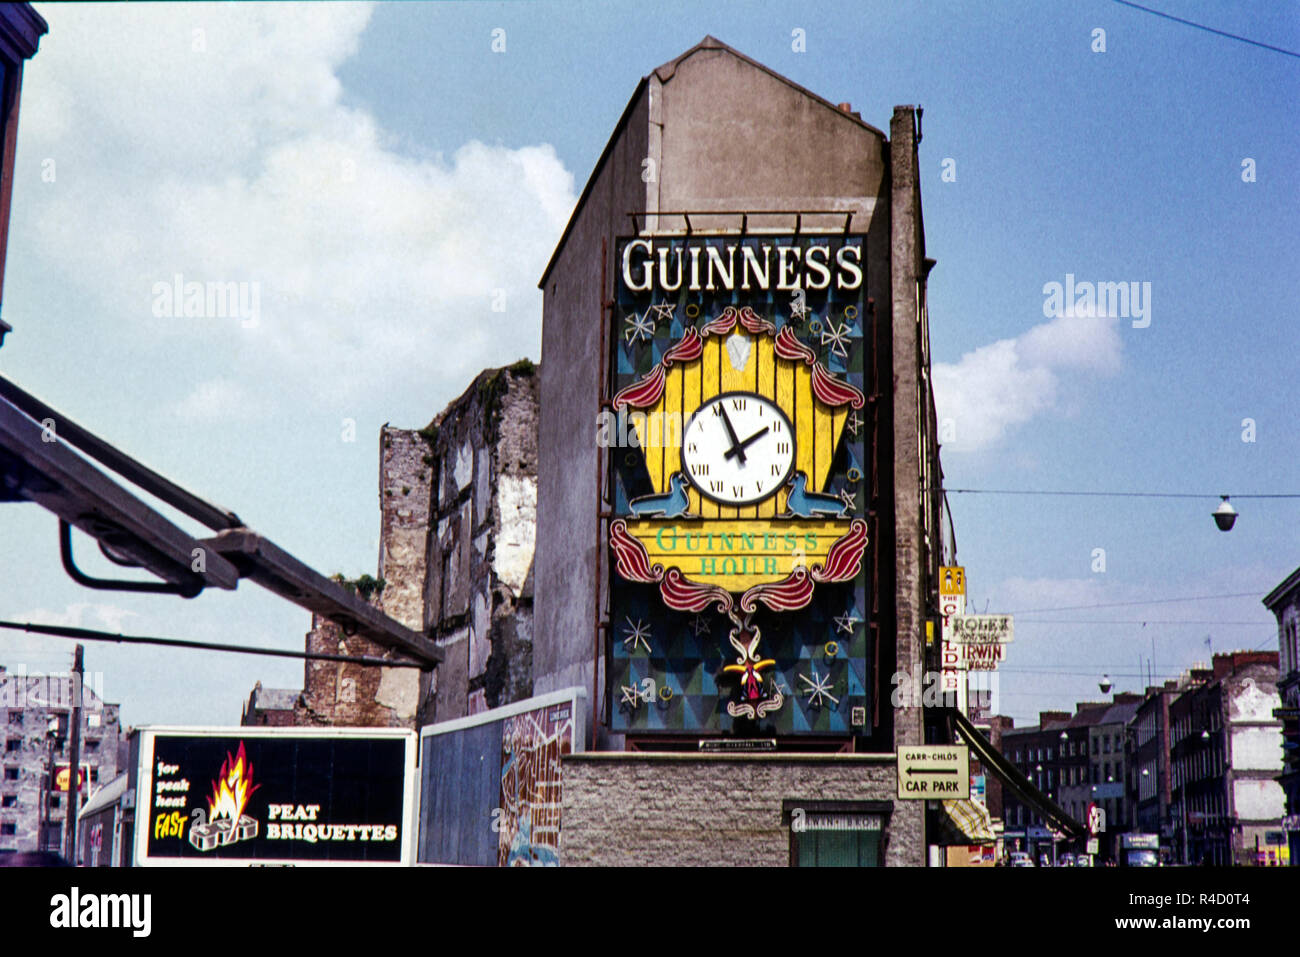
458 505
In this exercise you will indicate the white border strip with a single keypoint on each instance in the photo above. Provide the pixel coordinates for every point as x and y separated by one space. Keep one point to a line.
577 695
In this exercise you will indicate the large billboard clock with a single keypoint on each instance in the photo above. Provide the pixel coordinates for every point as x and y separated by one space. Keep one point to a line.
729 469
738 589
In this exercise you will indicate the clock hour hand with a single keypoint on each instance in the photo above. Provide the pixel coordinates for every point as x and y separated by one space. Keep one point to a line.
736 447
739 448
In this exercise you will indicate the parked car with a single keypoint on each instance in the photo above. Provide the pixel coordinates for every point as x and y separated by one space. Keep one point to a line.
1021 859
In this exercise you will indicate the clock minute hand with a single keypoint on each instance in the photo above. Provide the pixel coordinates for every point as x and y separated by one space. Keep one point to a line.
736 447
739 448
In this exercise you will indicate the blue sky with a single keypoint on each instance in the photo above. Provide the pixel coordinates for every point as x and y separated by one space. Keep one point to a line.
381 173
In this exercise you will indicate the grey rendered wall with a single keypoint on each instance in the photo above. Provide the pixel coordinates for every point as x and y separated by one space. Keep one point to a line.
568 569
907 248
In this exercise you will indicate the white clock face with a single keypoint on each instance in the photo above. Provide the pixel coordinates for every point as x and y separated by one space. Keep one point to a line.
738 449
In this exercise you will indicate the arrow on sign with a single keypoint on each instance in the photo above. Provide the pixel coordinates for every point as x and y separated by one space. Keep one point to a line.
915 770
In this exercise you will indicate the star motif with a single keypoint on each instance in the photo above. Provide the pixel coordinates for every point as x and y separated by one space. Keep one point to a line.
638 327
663 312
837 338
639 635
631 696
848 499
798 307
819 689
854 422
701 626
844 623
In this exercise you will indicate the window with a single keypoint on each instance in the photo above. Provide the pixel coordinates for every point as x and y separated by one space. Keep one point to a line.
54 801
13 745
16 718
8 830
1105 744
1096 745
92 744
94 775
9 800
11 774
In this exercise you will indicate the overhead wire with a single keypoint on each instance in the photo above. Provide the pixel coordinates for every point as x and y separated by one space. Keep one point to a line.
1207 29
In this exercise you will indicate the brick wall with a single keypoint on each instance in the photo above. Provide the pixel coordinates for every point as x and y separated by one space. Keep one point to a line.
628 809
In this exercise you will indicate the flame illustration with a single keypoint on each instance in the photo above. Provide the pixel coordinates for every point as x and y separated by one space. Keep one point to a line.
231 791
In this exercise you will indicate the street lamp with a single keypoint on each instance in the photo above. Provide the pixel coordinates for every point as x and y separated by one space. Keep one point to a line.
1225 515
1104 684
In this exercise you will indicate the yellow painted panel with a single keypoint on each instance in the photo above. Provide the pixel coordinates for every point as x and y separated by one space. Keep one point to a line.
804 425
785 389
737 555
822 448
672 424
690 402
733 379
709 373
818 428
766 386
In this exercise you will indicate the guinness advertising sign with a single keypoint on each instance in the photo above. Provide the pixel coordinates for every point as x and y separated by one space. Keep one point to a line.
738 438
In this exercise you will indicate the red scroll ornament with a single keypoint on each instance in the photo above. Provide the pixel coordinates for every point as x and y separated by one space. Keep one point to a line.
843 562
646 391
830 390
678 593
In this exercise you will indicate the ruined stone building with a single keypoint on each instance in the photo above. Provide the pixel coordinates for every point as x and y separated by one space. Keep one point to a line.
458 504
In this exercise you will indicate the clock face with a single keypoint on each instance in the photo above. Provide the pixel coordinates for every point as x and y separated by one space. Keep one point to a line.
738 449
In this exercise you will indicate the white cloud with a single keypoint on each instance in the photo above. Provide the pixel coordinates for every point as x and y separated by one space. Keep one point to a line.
229 155
995 388
82 614
17 645
214 399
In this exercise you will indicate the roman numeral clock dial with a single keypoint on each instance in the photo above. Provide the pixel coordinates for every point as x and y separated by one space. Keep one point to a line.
738 449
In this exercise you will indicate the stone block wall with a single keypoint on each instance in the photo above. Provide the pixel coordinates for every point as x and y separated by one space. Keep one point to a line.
681 809
479 593
339 693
